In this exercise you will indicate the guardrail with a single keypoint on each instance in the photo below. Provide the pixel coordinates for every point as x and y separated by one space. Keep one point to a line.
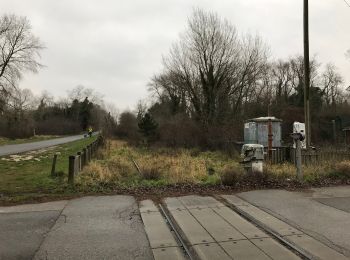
77 162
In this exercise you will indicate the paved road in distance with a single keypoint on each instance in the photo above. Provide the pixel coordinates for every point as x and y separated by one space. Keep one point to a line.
21 148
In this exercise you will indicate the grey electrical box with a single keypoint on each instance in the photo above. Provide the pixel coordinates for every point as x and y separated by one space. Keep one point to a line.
252 152
256 131
253 157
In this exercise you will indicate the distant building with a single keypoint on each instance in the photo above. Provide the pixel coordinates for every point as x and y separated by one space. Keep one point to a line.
256 131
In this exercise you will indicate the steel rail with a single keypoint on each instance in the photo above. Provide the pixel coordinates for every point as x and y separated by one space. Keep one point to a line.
268 230
178 236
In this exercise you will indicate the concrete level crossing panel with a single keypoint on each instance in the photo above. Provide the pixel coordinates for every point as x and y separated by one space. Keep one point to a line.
270 221
275 250
315 248
147 206
244 250
158 233
198 202
242 225
174 204
210 252
192 229
168 253
216 225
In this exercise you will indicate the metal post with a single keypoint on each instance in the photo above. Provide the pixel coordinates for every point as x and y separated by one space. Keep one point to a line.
298 160
270 139
71 169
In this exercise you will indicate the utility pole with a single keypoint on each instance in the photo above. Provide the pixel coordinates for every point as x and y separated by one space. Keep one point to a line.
307 75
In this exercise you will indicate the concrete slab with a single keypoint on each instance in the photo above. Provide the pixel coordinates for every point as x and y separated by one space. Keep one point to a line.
216 225
174 204
299 209
243 226
234 200
22 233
272 222
56 205
274 249
210 252
193 231
342 203
193 201
315 247
244 250
169 253
106 227
147 206
339 191
158 233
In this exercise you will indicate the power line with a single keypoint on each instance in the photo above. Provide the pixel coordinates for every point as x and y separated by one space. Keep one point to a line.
346 2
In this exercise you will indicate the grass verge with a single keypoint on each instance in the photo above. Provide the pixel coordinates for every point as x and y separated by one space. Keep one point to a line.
30 174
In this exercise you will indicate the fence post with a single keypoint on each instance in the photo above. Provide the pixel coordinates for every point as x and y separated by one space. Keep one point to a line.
53 169
85 156
79 161
71 169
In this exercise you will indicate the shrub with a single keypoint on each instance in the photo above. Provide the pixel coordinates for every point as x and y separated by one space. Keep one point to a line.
151 173
231 175
342 169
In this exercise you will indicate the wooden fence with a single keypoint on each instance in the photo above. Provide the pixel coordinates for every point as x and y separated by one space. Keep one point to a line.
287 154
81 159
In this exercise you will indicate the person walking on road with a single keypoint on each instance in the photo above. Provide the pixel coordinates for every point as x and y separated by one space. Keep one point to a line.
90 131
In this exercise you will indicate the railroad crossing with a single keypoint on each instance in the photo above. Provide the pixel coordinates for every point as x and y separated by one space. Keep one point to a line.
186 227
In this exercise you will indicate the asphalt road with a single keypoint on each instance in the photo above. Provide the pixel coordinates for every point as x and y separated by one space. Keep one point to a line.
106 227
21 148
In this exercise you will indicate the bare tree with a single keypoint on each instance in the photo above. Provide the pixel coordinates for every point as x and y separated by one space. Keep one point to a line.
211 69
19 50
80 93
331 82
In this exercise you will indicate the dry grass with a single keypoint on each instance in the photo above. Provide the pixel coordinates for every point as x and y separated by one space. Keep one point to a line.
174 166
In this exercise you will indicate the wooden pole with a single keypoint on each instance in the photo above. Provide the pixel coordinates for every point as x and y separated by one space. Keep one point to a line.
53 169
307 75
71 169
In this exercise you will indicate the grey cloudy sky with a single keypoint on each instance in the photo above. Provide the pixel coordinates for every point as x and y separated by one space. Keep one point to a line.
115 46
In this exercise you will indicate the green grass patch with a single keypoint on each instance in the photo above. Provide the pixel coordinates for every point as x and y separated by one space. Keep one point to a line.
33 176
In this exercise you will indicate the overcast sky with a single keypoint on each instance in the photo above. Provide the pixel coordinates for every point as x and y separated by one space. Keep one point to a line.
115 46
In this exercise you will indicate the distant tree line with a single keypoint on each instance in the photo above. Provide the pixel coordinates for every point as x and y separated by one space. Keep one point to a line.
25 115
21 113
215 78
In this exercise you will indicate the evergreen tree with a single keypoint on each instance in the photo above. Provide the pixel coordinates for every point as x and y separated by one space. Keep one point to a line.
148 126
